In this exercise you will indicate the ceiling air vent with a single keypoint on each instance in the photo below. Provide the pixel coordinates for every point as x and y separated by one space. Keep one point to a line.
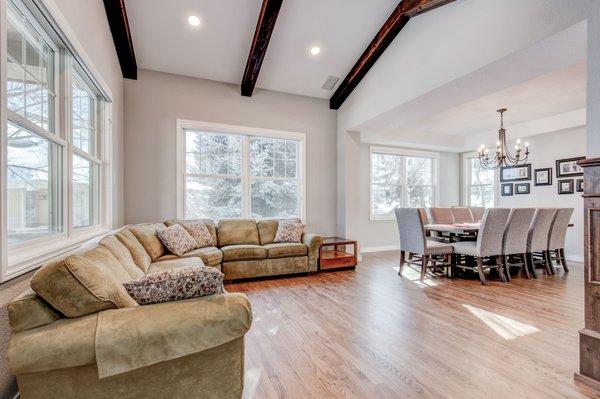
330 82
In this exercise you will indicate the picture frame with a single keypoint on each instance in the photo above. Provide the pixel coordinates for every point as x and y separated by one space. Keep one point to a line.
522 188
565 186
542 177
506 189
568 167
515 173
579 185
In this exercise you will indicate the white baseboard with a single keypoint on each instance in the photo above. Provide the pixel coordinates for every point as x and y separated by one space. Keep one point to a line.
575 258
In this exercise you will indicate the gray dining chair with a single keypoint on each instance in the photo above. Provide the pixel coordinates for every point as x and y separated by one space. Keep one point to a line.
477 212
414 241
462 214
488 244
441 215
558 234
538 237
515 240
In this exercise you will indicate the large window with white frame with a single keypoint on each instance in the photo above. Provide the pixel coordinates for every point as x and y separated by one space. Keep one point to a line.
53 137
480 189
233 171
401 178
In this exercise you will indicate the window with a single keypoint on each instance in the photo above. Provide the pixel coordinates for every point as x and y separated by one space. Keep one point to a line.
232 171
401 178
480 184
57 162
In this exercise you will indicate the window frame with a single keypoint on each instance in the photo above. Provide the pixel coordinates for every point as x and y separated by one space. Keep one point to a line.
404 153
467 178
69 54
182 125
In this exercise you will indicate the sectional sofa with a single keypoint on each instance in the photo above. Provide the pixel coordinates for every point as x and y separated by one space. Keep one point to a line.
189 348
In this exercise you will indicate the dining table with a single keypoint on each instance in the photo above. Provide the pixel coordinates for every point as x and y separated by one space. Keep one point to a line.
457 228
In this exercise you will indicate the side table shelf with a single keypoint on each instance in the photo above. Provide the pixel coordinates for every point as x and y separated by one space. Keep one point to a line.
334 254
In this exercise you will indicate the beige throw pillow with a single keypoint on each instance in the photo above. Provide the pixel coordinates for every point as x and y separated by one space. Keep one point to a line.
200 232
176 239
289 231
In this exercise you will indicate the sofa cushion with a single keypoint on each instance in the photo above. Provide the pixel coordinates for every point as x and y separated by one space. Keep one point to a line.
268 228
211 256
237 232
28 311
289 231
175 263
146 235
210 225
284 250
176 239
243 252
137 251
175 284
122 254
83 283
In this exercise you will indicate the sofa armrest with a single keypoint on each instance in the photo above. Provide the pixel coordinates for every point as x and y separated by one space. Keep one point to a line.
313 242
131 338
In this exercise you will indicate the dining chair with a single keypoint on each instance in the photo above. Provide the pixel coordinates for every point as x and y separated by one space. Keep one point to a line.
462 214
413 240
488 244
538 237
441 215
477 212
515 240
558 233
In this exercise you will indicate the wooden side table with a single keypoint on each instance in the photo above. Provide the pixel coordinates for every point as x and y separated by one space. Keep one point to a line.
333 254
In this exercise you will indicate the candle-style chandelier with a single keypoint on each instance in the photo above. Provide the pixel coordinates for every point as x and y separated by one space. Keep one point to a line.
502 156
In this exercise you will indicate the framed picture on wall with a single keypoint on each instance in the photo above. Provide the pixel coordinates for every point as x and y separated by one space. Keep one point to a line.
565 186
568 167
542 177
579 185
506 189
522 188
515 173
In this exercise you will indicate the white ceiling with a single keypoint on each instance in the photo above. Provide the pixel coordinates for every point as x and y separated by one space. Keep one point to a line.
218 50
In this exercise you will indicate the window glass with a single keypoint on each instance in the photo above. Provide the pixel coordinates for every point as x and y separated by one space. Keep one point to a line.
481 184
83 120
85 202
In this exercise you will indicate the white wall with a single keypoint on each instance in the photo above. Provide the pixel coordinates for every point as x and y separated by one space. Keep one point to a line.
157 99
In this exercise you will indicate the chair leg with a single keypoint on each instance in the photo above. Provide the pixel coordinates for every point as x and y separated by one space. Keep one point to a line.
480 270
548 262
452 265
526 266
531 264
424 262
564 260
506 267
500 267
402 255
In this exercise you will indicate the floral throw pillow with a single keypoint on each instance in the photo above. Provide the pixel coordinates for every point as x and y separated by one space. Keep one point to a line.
175 284
289 231
176 239
200 232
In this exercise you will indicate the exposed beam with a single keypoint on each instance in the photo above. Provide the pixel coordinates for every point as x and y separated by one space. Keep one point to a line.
260 42
119 27
388 32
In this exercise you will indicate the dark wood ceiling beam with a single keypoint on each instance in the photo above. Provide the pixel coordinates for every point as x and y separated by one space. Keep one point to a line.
388 32
260 42
119 27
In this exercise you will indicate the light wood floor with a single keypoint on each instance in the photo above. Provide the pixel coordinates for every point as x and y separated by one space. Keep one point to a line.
372 334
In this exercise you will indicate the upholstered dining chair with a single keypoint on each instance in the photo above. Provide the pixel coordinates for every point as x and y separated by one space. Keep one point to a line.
537 239
413 240
488 244
558 233
441 215
461 214
477 212
515 239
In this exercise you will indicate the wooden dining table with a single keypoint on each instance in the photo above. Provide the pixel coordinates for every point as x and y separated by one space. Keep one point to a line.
457 228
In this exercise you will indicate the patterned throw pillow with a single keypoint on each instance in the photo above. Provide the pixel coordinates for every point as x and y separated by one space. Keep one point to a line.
200 232
289 231
176 239
175 284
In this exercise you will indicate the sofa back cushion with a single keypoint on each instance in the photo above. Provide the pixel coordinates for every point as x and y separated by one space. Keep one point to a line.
146 235
137 251
123 255
83 283
237 232
268 228
210 225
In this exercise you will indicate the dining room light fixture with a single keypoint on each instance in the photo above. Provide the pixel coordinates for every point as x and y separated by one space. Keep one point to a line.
503 156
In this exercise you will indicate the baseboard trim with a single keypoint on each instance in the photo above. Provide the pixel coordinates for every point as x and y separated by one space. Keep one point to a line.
575 258
587 381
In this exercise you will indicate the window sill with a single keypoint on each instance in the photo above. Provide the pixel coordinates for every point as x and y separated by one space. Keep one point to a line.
28 257
381 218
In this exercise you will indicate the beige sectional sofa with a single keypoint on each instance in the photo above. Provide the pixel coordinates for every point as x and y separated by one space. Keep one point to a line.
190 348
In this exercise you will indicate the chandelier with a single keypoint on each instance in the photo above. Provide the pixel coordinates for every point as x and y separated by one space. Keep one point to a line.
502 156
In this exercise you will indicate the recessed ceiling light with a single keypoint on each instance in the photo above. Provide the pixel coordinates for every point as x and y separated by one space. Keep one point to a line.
315 50
194 20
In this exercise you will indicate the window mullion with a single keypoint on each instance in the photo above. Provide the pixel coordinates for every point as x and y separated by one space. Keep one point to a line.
65 131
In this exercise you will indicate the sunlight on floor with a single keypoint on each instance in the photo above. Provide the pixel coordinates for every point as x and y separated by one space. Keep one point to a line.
414 276
505 327
251 379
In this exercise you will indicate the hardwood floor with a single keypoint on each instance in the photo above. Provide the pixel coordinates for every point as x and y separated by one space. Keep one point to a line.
372 334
